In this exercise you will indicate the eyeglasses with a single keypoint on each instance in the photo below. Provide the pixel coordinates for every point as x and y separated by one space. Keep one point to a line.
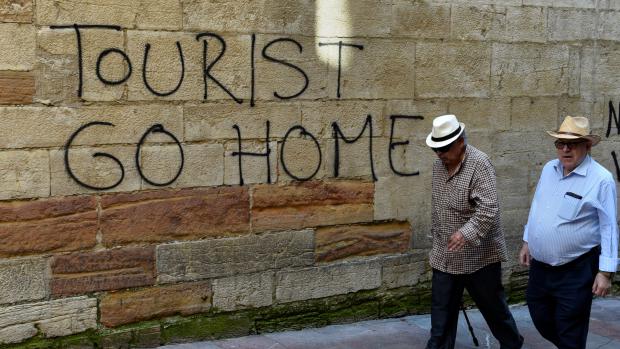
570 145
443 149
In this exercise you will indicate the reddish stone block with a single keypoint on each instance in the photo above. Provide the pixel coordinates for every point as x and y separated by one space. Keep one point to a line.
310 204
167 215
126 307
81 273
16 87
16 11
47 225
334 243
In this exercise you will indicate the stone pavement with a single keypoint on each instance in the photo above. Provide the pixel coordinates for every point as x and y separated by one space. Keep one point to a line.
412 332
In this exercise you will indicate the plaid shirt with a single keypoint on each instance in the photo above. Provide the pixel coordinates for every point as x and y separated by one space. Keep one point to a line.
468 202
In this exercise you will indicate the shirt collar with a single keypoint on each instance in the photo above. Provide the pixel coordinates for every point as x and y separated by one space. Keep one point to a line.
581 170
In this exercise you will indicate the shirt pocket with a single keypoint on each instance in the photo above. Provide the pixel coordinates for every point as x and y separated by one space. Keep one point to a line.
459 199
569 207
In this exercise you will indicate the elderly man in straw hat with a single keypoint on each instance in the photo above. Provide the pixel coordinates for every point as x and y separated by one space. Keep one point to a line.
468 242
571 237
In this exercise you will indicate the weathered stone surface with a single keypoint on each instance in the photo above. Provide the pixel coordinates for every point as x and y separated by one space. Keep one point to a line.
318 117
215 121
243 291
309 204
302 158
354 158
263 16
52 127
319 282
55 318
203 165
17 46
48 225
534 113
529 69
230 256
334 243
463 70
526 24
174 215
253 168
118 308
599 71
342 19
572 24
24 174
100 172
478 22
420 20
23 280
414 130
85 272
482 114
16 87
382 70
16 11
405 270
562 3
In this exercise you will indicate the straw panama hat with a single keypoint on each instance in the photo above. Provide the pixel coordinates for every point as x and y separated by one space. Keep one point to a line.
575 127
446 129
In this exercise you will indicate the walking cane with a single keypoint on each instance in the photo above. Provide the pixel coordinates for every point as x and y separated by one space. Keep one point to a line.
471 329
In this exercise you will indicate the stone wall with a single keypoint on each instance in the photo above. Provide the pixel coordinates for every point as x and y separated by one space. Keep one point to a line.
174 170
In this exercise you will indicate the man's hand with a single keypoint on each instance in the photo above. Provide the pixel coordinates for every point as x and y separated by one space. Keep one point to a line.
602 285
456 242
524 255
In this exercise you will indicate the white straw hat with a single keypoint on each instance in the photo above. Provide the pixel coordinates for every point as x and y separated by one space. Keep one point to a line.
446 129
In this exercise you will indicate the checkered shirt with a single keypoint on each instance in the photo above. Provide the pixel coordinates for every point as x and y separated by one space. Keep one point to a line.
468 202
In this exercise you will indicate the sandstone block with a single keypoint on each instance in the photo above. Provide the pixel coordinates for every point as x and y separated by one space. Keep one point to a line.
52 127
100 172
25 174
85 272
204 165
485 2
382 70
526 24
159 14
230 256
309 204
17 46
364 18
572 24
215 121
23 280
562 3
17 333
599 71
263 16
534 113
118 308
57 80
16 87
335 243
482 114
317 117
243 291
354 158
420 20
478 22
405 270
530 69
272 77
16 11
302 158
253 168
463 70
47 225
154 216
414 130
61 317
319 282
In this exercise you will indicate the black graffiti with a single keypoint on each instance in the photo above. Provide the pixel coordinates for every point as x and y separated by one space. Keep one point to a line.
147 48
158 128
303 133
337 134
612 114
102 55
340 45
206 67
281 61
240 154
393 144
98 154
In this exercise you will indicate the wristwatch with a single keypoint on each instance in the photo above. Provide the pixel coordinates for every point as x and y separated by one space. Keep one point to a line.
607 274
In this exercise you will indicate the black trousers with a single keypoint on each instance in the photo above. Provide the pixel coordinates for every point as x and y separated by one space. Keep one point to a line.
560 298
485 287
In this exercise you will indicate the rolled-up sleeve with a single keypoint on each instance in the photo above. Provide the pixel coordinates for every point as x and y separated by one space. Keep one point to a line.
608 261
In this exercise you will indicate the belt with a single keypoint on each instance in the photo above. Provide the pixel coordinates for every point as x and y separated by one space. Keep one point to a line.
595 251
